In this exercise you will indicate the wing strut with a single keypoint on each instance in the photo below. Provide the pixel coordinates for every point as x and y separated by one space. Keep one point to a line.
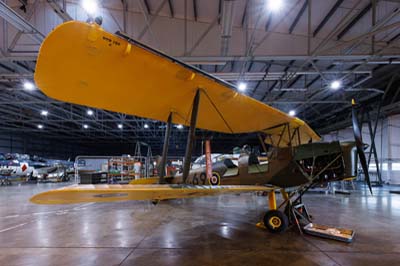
191 136
165 149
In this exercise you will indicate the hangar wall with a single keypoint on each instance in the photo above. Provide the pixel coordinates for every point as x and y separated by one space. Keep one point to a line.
387 143
37 145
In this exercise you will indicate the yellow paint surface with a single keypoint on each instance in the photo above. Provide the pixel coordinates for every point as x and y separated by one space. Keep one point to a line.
109 193
81 63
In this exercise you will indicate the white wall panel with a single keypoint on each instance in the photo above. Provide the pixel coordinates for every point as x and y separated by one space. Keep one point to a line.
387 141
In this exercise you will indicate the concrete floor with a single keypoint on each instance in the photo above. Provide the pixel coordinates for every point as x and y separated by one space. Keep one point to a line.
205 231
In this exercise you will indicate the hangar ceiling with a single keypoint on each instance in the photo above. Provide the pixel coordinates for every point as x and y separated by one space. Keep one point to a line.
287 58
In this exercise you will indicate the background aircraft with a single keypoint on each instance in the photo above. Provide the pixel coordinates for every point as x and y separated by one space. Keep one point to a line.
23 167
17 165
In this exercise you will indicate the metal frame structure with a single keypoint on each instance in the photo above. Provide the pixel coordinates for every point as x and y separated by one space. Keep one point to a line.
286 58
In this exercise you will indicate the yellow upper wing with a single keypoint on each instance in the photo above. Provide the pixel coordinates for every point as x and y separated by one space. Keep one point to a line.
83 64
109 193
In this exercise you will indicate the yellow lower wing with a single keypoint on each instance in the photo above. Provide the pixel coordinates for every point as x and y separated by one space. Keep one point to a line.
109 193
145 181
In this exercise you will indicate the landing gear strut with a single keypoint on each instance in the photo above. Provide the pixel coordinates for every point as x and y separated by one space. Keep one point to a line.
295 213
274 220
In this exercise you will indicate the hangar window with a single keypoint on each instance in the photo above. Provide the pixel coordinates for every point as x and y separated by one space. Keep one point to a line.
395 166
372 167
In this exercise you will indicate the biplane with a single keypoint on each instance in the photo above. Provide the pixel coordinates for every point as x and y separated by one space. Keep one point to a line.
81 63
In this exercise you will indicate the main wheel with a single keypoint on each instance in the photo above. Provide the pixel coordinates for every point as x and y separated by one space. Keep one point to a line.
276 221
215 179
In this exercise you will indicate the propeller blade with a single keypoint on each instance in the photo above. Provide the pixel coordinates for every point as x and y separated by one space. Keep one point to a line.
360 145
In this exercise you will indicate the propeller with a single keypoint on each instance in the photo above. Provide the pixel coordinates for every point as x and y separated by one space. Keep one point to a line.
360 144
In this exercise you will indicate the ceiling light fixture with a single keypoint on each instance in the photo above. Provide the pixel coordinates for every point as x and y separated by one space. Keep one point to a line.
274 5
29 86
242 86
336 84
90 6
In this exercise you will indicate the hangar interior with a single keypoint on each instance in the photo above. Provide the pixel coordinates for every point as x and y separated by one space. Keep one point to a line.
306 58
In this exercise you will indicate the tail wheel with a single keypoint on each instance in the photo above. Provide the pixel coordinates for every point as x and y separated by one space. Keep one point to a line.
215 179
276 221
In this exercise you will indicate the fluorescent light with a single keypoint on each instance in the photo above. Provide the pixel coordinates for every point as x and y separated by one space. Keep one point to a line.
90 6
29 86
292 112
89 112
44 112
146 126
40 126
85 126
242 86
179 126
336 84
274 5
120 126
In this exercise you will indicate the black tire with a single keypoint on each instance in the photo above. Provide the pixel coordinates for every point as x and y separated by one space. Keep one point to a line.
276 221
215 179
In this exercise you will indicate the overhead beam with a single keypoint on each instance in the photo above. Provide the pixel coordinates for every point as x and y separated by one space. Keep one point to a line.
11 70
59 10
298 16
20 23
282 75
150 21
327 17
360 15
198 60
171 8
266 70
219 11
124 15
146 4
195 9
245 13
228 13
343 123
203 35
394 38
268 23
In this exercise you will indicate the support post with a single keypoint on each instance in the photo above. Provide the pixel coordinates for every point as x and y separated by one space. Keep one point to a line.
165 149
191 135
272 200
208 159
309 28
372 150
262 143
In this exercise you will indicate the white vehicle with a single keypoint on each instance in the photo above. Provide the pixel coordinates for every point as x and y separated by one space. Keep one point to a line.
215 157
